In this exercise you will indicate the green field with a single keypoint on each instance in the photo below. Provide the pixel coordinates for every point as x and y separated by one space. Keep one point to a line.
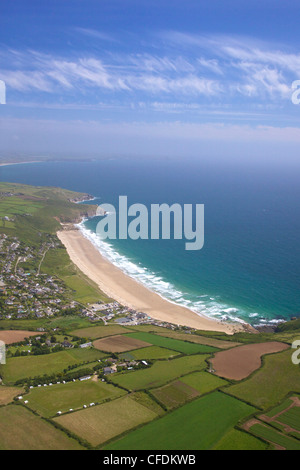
22 430
279 409
16 206
17 368
204 382
173 344
68 322
198 425
188 387
143 398
291 418
58 263
238 440
151 352
103 422
101 331
150 329
174 394
160 373
269 434
270 384
208 341
47 402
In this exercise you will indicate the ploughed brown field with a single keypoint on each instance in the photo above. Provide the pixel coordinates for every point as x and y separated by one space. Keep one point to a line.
238 363
14 336
120 343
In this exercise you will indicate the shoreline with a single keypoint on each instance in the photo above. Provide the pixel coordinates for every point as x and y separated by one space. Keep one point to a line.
129 292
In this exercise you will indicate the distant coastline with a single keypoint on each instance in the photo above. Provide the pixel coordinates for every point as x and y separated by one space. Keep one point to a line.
20 163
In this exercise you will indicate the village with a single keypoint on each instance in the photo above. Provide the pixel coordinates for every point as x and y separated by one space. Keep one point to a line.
28 293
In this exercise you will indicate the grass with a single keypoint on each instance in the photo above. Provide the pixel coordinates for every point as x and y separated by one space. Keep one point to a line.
144 399
291 418
188 387
160 373
152 352
269 434
103 422
269 385
208 341
58 263
18 368
238 440
279 409
66 322
95 332
198 425
203 382
174 394
22 430
174 344
70 395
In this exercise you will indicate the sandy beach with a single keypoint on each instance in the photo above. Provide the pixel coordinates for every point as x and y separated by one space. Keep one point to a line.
117 285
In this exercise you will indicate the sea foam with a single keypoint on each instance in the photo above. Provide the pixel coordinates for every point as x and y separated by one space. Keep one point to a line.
200 304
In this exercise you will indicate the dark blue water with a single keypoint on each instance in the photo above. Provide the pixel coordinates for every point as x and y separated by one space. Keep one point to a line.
249 267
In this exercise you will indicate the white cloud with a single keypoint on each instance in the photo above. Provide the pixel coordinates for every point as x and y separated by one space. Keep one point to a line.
221 67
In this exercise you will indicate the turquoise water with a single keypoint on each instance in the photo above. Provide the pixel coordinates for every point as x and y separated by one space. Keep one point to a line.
249 267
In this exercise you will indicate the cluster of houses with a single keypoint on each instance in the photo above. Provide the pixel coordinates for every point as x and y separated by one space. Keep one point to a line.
24 293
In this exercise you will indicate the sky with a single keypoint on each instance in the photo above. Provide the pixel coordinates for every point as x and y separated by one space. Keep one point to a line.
102 78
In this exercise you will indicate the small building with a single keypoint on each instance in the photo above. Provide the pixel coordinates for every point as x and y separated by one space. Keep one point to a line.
85 377
66 344
123 320
108 370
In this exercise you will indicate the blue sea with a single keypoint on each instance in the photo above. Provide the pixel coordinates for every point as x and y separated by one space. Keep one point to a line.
249 267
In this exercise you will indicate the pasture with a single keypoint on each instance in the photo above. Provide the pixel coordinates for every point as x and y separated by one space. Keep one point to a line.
101 331
270 434
17 368
198 425
48 401
103 422
239 440
160 373
66 322
269 385
205 340
22 430
175 394
183 347
151 352
203 382
187 388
